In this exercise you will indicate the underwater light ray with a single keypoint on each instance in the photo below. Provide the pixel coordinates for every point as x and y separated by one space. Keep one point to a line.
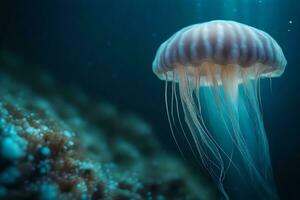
218 66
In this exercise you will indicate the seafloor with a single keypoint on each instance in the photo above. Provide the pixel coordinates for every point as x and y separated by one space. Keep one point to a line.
57 143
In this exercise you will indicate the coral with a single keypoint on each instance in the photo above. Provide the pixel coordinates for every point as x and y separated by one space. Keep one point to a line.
56 143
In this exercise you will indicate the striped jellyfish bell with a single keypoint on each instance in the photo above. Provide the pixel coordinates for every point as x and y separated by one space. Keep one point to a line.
219 46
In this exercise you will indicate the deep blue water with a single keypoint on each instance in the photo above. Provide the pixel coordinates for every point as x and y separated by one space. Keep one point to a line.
106 47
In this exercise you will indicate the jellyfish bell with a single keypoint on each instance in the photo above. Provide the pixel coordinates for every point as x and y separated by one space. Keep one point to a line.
219 43
215 70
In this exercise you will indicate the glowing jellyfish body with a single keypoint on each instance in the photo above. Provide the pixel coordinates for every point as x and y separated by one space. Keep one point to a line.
218 66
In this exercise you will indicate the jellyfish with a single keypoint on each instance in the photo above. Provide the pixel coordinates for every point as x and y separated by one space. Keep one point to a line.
212 74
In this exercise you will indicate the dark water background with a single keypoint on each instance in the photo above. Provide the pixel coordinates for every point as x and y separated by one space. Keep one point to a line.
106 47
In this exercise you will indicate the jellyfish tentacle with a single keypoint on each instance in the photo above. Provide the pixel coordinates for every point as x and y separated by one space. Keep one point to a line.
185 91
197 129
217 98
168 116
181 125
